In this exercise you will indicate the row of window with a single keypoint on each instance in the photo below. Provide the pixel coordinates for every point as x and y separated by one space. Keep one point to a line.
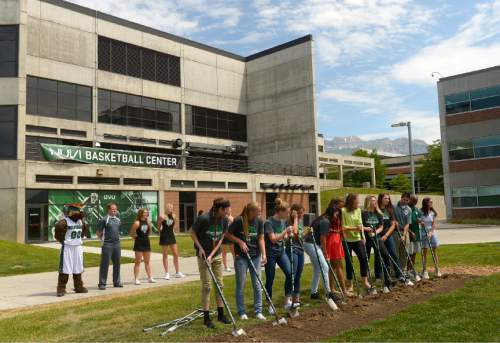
201 121
137 111
9 50
132 60
474 148
58 99
478 99
8 132
481 196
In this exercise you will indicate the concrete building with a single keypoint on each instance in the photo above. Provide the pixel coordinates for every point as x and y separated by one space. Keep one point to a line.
401 165
94 108
469 107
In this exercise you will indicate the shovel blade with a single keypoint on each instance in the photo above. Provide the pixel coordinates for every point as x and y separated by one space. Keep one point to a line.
239 332
332 304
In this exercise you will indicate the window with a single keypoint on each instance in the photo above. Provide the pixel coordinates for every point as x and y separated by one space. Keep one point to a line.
8 50
132 60
481 196
488 195
482 147
211 184
464 197
474 100
207 122
33 149
8 132
133 110
58 99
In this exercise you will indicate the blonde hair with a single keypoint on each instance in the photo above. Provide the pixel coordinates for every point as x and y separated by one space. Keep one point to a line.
368 204
251 206
280 205
170 207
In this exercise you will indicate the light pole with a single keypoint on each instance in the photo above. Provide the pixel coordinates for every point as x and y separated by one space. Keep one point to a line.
412 166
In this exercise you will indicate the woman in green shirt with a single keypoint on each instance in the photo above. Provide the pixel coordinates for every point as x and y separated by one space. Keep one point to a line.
352 226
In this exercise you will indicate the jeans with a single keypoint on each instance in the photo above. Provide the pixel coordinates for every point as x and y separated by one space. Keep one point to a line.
311 251
298 266
359 249
370 243
380 264
284 263
241 265
110 252
391 249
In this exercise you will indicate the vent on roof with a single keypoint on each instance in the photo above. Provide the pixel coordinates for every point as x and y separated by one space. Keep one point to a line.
237 185
99 180
54 179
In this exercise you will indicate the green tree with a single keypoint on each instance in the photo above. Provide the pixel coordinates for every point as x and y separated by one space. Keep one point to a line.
430 173
355 178
401 183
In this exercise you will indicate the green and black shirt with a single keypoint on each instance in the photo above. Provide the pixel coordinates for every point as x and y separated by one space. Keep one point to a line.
208 232
255 229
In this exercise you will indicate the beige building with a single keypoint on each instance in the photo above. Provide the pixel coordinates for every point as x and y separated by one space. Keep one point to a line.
94 109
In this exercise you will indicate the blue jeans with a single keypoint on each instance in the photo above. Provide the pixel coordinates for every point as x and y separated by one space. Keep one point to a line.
309 249
241 265
391 249
284 263
370 243
298 267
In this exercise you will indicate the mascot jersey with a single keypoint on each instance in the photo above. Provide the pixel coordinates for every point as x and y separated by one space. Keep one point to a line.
74 232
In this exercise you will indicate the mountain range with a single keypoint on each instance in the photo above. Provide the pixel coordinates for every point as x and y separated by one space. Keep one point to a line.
384 146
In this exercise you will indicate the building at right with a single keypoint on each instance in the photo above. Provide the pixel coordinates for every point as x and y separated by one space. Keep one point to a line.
469 108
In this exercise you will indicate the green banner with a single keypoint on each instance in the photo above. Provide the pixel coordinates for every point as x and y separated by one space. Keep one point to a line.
55 152
128 202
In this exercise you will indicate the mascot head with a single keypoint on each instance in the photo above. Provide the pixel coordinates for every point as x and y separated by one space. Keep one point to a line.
74 211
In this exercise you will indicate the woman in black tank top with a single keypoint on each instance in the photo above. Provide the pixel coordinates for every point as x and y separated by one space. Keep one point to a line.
140 231
166 224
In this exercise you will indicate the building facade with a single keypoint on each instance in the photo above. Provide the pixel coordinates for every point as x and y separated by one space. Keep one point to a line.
401 165
469 107
94 109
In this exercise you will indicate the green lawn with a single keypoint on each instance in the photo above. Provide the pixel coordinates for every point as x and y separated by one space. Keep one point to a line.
121 318
184 244
24 259
464 315
477 221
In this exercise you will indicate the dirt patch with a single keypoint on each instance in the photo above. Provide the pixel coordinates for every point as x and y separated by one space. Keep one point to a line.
316 324
471 270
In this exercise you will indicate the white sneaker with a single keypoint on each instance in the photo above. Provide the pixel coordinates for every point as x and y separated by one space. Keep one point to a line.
167 276
228 270
416 276
151 280
244 317
270 310
438 274
137 282
386 290
179 275
260 316
409 283
288 306
425 275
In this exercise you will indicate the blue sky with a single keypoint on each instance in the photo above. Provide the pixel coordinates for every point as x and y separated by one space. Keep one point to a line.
374 58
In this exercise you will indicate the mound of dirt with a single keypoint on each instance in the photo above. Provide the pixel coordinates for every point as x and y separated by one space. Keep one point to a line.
320 322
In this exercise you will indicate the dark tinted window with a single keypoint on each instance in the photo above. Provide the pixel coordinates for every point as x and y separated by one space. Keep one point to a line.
8 50
34 150
207 122
133 110
8 132
128 59
58 99
474 100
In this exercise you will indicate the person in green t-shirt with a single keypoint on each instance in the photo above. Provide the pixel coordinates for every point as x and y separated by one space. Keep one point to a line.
352 226
414 246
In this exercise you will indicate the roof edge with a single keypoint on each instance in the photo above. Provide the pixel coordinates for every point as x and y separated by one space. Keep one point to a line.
280 47
456 76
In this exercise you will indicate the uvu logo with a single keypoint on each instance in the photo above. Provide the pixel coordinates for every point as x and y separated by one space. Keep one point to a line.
109 197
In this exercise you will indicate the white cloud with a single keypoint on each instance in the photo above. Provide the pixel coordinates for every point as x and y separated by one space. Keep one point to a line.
345 95
473 47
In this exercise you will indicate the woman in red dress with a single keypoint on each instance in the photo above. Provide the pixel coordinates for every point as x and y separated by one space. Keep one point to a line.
335 250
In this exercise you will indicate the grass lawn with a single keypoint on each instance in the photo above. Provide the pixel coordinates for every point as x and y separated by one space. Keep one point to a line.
184 244
478 221
464 315
121 318
24 259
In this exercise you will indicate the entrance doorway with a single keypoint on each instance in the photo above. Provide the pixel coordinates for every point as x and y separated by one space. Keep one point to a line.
36 223
187 210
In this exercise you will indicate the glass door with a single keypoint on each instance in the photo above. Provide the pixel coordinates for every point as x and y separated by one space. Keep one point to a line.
36 222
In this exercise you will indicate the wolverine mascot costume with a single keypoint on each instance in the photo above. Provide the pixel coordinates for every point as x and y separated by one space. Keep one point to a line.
69 231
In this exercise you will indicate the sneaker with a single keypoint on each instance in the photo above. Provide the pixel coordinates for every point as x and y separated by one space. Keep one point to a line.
335 296
228 270
296 305
438 274
371 291
270 310
416 277
137 282
208 323
102 287
224 320
179 275
349 293
425 275
409 283
260 316
288 306
151 280
118 285
386 290
167 276
244 317
315 296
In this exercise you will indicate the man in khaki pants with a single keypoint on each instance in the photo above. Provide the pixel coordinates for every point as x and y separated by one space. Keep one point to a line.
207 233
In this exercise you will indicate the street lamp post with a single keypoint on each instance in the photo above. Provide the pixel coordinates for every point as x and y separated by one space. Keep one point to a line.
412 165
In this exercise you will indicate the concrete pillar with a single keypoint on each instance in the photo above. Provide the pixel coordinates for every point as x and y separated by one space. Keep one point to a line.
341 172
374 178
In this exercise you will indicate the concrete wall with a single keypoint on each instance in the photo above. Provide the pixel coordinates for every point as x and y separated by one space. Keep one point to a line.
281 109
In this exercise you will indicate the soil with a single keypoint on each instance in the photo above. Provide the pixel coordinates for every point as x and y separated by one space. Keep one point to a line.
313 324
